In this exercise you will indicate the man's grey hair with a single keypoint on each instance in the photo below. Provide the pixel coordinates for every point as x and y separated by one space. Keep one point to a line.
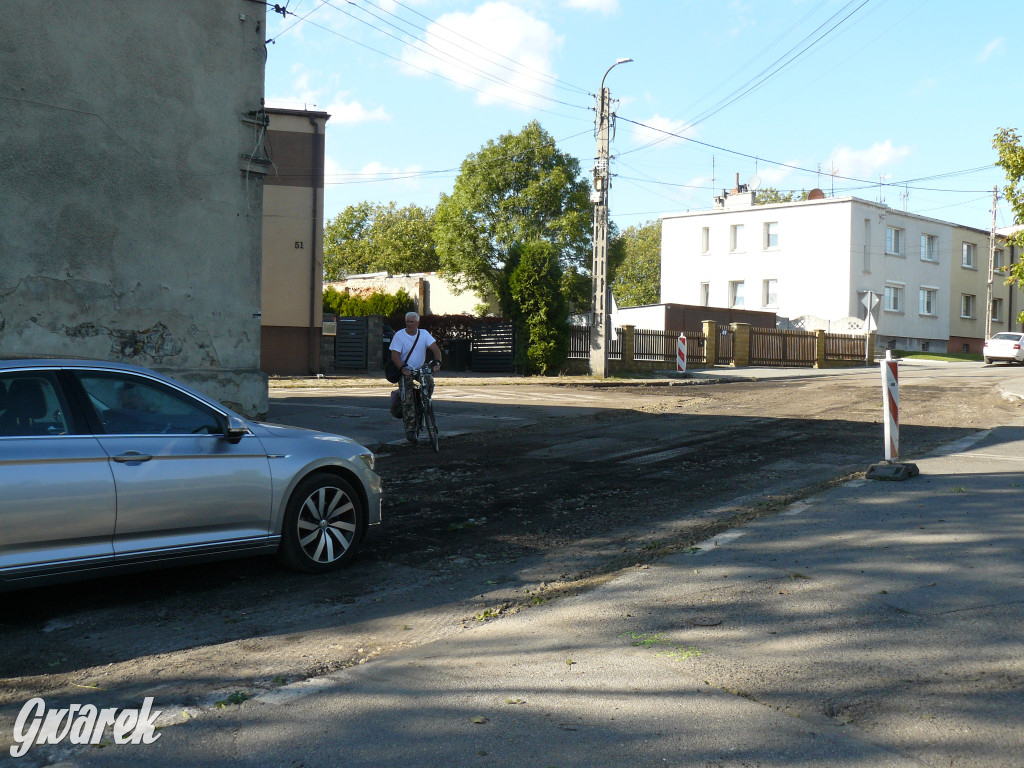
412 315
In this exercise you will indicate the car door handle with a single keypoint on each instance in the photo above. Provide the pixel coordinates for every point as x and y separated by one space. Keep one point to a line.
131 456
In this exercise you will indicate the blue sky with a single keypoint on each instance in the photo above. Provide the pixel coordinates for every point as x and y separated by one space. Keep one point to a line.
906 92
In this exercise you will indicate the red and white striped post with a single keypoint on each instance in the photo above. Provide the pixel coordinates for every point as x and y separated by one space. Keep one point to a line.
681 354
891 404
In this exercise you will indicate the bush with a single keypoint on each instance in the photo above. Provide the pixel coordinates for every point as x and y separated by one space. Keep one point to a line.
344 304
541 311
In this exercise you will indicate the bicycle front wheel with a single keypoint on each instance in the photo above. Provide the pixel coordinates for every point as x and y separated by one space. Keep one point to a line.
430 424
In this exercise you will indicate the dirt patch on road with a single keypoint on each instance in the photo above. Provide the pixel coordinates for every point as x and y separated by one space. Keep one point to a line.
497 522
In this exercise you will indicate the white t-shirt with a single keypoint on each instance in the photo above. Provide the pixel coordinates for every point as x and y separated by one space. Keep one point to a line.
403 341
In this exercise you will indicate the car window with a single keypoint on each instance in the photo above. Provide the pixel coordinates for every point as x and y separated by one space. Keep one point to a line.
1007 336
128 405
30 405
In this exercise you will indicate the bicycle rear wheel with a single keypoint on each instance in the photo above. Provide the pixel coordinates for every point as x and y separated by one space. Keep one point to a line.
430 424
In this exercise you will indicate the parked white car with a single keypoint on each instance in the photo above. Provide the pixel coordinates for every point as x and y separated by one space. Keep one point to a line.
1007 346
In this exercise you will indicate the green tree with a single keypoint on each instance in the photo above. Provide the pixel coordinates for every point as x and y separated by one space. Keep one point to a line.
371 237
769 195
541 313
635 260
1007 144
515 190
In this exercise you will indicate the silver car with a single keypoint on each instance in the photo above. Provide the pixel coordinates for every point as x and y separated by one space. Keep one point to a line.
106 466
1005 346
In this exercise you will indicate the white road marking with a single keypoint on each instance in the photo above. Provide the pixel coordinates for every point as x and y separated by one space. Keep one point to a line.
717 541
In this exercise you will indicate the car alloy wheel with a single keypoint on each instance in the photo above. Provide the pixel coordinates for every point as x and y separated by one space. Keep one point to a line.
323 525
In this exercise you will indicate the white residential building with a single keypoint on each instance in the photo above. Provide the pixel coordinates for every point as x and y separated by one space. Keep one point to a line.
819 258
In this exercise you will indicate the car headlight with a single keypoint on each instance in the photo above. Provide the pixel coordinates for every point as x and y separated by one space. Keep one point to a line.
368 459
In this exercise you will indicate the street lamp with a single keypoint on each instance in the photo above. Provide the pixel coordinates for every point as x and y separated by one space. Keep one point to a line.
599 326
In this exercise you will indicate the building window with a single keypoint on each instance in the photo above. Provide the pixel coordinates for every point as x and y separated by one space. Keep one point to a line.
968 255
925 346
929 248
867 245
894 298
705 294
927 298
771 234
705 240
769 293
997 260
965 348
736 237
736 294
997 310
894 241
967 306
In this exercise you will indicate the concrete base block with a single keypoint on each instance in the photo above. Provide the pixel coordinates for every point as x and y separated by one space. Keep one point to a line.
891 471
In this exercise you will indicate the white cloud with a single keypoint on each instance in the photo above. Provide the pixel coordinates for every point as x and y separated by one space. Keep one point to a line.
991 48
603 6
664 126
353 112
740 17
483 44
867 163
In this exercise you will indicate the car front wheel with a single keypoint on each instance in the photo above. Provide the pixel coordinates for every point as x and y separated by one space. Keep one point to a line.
322 525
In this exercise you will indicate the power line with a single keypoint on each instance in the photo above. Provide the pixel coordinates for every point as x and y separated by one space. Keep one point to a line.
466 66
768 72
520 68
429 72
441 26
779 164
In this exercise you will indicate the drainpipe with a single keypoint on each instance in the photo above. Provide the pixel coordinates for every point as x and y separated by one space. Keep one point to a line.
314 337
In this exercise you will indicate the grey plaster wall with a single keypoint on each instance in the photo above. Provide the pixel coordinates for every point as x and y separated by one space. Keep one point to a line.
130 227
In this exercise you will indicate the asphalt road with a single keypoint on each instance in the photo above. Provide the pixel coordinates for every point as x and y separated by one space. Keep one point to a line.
538 573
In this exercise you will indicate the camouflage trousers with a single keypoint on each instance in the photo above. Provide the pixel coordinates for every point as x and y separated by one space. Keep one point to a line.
408 404
409 400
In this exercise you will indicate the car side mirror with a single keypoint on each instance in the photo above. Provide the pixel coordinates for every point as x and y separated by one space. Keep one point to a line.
235 429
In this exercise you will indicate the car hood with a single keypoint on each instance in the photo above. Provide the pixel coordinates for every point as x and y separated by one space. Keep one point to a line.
265 429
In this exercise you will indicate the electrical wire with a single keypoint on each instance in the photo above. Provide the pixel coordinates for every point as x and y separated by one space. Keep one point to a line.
768 72
779 164
450 59
513 61
436 74
520 69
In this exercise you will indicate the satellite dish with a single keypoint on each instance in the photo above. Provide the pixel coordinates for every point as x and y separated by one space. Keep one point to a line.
753 183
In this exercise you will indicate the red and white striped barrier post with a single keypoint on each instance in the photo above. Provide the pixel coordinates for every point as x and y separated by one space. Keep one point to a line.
681 354
891 404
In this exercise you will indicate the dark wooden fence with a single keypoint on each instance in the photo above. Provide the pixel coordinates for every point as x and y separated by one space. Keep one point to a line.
772 347
840 346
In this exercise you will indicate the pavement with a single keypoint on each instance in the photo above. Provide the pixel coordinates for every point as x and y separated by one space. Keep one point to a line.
873 624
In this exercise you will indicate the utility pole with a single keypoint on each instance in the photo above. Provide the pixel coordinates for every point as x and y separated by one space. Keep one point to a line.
991 265
599 324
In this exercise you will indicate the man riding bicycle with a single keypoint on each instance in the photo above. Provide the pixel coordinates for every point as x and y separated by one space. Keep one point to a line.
409 352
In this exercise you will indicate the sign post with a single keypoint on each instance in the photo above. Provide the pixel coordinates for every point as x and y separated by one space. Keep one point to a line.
891 403
891 469
681 354
870 301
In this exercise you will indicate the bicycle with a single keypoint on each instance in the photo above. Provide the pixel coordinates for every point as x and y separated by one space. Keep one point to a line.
423 391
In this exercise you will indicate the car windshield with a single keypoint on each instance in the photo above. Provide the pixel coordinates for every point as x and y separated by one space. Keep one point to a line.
1006 337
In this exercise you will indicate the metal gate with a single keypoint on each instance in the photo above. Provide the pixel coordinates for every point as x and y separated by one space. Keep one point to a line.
493 348
723 354
350 344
